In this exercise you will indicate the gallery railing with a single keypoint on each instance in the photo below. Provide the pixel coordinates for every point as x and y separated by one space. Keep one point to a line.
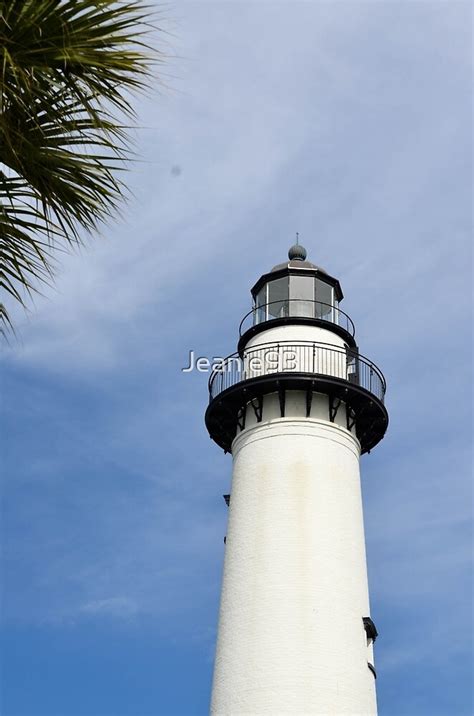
296 308
304 357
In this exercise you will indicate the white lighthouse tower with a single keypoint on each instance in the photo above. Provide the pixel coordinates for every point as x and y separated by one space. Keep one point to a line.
296 405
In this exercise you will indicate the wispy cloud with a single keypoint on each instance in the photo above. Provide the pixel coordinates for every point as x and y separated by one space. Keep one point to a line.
120 607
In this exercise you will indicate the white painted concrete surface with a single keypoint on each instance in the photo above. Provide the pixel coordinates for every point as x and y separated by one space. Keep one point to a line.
291 638
296 333
293 348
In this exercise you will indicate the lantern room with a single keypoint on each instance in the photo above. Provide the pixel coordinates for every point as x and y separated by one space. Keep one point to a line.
297 291
297 288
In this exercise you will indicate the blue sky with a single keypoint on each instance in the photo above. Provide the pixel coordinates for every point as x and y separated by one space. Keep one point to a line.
349 122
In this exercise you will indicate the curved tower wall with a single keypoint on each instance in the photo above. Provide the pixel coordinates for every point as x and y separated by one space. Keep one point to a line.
297 348
291 637
296 333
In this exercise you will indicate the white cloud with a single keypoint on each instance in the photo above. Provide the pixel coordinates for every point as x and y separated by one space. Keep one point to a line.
120 607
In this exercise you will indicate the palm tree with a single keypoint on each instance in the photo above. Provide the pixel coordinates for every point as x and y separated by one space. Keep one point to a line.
68 70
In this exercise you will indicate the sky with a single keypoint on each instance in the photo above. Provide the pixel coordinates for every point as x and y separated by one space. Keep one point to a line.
349 122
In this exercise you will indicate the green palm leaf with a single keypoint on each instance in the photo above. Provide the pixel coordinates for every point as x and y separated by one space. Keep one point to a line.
68 68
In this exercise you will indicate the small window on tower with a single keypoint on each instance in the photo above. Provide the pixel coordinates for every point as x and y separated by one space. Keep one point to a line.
370 629
352 366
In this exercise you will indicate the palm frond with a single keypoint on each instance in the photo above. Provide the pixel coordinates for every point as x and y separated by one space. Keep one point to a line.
68 67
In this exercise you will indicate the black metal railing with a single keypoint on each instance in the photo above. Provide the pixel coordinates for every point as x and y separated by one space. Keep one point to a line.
296 308
320 359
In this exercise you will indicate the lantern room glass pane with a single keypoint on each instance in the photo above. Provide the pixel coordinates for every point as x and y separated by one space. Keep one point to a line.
324 300
277 306
260 305
302 296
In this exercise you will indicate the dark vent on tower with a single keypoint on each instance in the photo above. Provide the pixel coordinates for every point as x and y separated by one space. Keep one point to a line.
370 629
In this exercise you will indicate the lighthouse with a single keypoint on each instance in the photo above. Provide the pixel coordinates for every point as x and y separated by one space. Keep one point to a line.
296 405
